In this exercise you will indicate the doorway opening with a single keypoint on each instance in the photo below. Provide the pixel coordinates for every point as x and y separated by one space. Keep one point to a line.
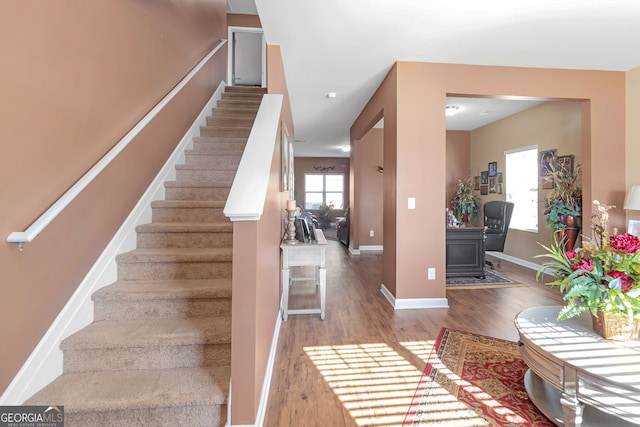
247 57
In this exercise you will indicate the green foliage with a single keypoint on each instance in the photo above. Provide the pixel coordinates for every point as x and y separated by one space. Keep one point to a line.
325 215
465 202
566 196
596 278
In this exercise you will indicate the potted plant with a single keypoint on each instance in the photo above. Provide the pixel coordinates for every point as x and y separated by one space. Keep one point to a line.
563 204
602 277
465 203
325 215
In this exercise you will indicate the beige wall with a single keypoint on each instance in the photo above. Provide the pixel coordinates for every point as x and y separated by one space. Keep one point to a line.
412 97
632 154
75 77
458 162
551 125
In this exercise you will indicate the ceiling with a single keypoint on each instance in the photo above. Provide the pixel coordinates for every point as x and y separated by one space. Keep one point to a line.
347 47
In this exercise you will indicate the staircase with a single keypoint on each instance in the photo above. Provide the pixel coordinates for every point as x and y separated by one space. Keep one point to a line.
158 352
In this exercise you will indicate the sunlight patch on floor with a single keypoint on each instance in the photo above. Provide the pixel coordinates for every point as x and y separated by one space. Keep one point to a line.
373 382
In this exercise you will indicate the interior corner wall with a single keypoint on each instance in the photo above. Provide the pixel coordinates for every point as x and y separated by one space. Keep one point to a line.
458 162
415 139
633 133
73 82
550 125
370 158
277 83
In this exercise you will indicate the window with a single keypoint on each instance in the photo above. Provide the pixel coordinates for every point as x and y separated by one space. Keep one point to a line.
323 189
521 185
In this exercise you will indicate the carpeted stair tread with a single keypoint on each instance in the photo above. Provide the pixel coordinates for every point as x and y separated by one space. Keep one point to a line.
194 204
196 184
217 153
164 289
121 390
150 333
186 227
177 255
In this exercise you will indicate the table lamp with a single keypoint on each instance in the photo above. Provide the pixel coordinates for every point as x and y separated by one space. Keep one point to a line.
632 203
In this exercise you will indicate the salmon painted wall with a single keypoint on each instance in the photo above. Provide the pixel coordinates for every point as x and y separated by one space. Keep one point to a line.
458 162
416 135
370 149
242 20
633 133
73 82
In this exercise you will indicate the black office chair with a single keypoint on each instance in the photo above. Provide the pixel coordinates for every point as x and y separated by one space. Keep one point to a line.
497 216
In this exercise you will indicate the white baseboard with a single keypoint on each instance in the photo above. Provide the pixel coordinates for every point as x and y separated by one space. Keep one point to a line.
522 262
371 248
45 362
413 303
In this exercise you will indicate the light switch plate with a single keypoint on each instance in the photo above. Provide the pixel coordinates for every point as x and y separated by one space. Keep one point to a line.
412 202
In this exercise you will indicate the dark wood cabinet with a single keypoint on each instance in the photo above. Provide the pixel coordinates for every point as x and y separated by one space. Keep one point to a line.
465 252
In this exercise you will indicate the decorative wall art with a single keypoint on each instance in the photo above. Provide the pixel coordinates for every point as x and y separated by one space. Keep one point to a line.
285 160
493 168
566 163
476 183
484 190
548 161
499 187
484 177
492 185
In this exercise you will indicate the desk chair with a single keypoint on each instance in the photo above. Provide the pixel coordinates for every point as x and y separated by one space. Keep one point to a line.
497 216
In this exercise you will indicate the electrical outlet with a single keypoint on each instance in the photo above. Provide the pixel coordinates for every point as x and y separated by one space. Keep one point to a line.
371 233
431 274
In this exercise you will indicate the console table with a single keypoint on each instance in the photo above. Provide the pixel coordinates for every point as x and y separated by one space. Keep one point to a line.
312 254
465 251
576 377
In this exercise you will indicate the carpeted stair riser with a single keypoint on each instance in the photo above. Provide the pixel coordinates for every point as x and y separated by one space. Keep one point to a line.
145 344
229 121
225 132
129 300
233 103
197 190
201 144
188 211
203 173
240 112
184 235
159 349
220 161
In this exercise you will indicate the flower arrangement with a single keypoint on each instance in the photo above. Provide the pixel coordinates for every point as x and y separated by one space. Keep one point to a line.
603 275
465 203
566 196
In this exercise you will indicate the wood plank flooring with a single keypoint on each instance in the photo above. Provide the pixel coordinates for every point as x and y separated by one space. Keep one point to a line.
361 365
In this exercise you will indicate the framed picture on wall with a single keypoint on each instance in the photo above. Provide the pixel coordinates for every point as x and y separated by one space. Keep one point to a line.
566 163
493 168
499 177
484 178
285 161
484 190
476 183
548 161
499 188
492 185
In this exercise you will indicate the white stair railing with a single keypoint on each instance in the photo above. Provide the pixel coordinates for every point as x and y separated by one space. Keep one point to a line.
22 237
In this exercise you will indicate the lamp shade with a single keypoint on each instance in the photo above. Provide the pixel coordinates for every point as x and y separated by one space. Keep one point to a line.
632 201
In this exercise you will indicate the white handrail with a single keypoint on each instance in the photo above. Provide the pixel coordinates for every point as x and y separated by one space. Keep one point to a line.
249 189
36 228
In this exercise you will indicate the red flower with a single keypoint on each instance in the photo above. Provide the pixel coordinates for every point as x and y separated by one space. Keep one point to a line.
627 243
627 282
571 254
585 264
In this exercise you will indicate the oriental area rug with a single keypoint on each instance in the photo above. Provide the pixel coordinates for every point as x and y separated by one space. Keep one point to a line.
473 380
492 279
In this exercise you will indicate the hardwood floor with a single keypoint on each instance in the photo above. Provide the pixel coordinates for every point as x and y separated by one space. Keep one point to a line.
361 365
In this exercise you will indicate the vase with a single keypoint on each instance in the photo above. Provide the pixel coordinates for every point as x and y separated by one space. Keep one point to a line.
570 232
616 327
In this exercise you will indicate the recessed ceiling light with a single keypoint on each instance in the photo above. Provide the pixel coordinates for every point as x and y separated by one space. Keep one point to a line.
331 95
451 110
485 113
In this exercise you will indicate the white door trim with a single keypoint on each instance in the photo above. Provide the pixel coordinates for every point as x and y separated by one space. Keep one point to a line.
230 62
